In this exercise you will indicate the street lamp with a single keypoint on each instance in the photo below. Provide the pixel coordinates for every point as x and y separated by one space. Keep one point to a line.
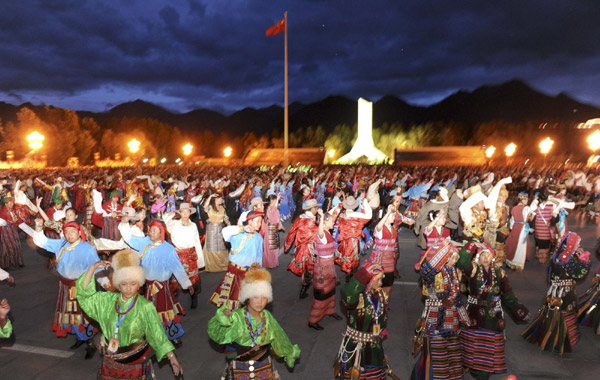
510 149
489 152
331 153
134 145
227 151
163 160
187 149
593 141
35 140
546 145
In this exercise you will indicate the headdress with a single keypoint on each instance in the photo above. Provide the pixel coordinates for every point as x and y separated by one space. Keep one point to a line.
186 206
126 267
310 203
256 283
350 203
366 272
156 223
435 258
77 226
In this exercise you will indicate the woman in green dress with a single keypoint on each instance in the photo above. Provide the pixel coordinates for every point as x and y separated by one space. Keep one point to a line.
251 332
130 323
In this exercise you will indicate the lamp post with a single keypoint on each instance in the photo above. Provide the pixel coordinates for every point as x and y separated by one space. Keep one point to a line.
134 145
545 146
187 149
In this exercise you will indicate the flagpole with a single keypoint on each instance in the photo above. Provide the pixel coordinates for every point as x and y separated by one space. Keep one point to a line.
285 101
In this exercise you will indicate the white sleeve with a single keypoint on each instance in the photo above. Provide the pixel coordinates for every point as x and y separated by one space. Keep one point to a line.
125 230
238 191
3 223
230 231
40 239
103 244
3 274
97 198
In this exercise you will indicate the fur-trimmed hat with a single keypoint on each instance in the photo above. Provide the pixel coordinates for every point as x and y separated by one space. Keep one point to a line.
256 283
126 267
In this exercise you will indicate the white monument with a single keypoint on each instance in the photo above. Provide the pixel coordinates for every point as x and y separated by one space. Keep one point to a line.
364 146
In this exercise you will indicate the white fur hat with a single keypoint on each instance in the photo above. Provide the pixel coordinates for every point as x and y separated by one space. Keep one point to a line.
126 267
256 283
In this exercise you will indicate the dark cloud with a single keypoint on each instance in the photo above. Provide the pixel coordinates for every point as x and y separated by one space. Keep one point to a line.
184 54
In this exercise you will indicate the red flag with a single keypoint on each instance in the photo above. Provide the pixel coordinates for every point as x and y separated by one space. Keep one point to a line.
276 29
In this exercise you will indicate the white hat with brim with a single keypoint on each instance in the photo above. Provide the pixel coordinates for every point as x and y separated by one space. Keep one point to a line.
310 203
186 206
350 203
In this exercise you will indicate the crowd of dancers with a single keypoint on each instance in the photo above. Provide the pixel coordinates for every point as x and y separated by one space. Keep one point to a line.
126 243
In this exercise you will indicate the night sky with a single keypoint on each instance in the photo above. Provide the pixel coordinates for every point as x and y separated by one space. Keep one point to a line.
187 54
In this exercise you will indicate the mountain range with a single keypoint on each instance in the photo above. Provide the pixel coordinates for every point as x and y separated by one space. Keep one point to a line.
513 102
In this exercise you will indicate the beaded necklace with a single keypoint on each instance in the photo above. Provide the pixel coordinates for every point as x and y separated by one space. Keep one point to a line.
485 288
254 335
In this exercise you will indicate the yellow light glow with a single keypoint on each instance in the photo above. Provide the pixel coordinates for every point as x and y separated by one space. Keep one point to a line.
227 151
134 145
163 160
510 149
593 140
145 160
187 149
546 145
35 140
489 152
331 153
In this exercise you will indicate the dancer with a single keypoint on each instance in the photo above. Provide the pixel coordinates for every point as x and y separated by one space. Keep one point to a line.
589 313
73 255
273 226
324 277
303 235
517 243
132 330
186 239
436 335
246 252
361 353
489 291
160 261
251 332
351 225
555 329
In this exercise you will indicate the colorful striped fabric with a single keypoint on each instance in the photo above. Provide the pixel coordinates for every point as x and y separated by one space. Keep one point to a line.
368 373
483 350
324 284
10 250
440 359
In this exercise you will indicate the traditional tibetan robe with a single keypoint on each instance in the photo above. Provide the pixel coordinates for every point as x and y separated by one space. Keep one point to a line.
303 234
351 229
186 240
248 345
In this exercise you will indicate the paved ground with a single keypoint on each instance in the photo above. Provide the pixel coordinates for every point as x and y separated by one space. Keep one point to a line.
34 352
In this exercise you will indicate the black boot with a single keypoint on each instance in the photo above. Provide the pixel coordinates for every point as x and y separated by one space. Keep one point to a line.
315 326
303 292
90 349
336 316
78 343
194 300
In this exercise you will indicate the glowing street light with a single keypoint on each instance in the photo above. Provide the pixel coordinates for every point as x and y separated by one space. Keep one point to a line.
145 160
227 151
510 149
163 160
489 152
134 145
546 145
331 153
35 140
187 149
593 141
177 160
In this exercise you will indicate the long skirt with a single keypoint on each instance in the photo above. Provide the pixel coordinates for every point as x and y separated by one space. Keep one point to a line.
553 330
271 247
10 247
589 309
68 316
324 289
483 350
440 358
216 257
167 306
139 368
189 260
110 229
229 288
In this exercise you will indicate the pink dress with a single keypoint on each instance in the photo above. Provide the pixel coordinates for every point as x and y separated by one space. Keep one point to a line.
271 242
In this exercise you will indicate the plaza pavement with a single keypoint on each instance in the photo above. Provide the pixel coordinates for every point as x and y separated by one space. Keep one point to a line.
35 353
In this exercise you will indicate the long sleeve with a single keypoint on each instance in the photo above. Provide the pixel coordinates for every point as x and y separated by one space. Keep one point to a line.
137 243
281 343
3 274
230 231
6 330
